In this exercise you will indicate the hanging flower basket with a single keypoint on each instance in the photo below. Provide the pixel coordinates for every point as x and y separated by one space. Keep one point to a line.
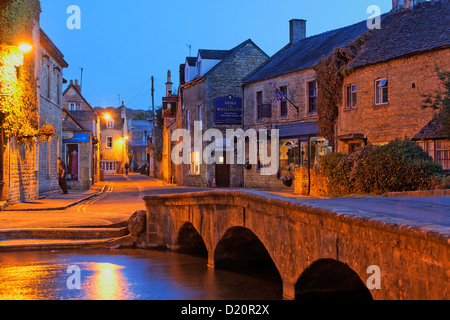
46 132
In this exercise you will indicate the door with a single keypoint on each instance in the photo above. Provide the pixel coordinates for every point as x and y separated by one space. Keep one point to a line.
223 175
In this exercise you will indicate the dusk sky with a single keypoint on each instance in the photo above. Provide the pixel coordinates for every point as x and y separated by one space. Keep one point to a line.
122 44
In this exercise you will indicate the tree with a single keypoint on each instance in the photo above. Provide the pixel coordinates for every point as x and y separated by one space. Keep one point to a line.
142 115
440 99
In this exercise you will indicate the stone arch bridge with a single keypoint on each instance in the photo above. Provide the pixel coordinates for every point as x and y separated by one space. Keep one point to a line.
315 250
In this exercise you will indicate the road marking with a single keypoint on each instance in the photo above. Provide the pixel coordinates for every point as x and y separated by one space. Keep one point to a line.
103 194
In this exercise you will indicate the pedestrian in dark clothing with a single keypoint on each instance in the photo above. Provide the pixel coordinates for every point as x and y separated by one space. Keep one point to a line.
61 169
127 167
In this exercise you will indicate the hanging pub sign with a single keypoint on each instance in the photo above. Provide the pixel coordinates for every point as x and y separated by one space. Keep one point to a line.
228 109
169 110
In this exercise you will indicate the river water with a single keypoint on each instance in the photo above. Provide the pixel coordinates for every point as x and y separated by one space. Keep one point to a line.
130 274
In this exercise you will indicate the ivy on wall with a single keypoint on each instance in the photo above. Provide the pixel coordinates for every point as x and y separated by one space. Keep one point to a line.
330 78
18 100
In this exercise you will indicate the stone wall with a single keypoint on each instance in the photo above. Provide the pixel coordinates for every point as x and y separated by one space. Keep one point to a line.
402 118
296 83
412 258
318 186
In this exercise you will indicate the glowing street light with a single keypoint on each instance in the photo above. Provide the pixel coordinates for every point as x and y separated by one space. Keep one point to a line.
25 47
107 116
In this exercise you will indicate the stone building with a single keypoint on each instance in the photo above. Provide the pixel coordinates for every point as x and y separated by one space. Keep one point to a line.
218 78
81 151
291 70
384 91
52 64
140 133
114 141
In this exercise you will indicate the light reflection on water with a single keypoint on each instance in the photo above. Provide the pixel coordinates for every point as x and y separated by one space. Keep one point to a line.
124 275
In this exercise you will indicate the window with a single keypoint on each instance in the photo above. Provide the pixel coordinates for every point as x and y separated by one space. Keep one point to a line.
259 102
109 142
110 124
289 157
58 89
188 120
351 93
200 117
443 153
283 104
74 106
195 163
312 96
49 81
381 91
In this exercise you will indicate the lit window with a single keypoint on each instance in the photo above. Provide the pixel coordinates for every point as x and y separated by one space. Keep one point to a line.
381 91
195 163
110 124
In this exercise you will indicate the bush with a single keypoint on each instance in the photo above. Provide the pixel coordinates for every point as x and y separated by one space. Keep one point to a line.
396 166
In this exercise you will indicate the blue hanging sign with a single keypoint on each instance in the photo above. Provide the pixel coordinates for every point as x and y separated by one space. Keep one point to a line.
228 109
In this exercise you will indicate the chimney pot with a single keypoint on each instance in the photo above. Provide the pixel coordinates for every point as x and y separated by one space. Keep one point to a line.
297 30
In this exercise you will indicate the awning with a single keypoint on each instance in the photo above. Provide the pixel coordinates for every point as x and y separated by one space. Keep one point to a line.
299 129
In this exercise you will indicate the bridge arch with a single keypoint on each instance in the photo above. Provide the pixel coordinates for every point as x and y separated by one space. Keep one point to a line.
241 250
328 279
189 241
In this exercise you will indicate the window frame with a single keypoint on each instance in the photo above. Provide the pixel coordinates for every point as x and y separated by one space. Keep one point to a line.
109 142
351 96
110 124
259 102
311 110
379 92
284 102
195 162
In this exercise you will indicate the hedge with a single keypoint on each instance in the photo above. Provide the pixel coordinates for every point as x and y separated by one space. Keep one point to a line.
397 166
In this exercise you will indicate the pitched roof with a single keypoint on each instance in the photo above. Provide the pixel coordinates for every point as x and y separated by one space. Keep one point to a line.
307 52
403 32
191 61
213 54
433 130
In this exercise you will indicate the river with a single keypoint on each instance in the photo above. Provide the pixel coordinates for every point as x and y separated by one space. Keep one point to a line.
130 274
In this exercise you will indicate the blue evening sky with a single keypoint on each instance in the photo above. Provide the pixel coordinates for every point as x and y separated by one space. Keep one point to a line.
122 44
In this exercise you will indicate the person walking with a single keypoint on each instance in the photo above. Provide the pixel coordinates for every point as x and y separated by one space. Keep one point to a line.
127 168
61 170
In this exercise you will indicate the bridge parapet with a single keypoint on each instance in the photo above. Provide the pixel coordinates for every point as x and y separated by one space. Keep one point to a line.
306 241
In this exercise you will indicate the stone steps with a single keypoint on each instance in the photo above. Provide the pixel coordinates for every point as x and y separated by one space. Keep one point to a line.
64 238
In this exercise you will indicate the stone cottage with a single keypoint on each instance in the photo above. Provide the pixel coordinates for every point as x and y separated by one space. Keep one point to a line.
294 114
81 151
52 64
215 79
383 93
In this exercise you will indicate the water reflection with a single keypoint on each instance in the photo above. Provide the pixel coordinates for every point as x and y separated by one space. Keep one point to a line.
124 275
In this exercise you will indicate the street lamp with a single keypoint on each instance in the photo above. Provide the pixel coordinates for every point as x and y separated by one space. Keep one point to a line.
23 47
107 116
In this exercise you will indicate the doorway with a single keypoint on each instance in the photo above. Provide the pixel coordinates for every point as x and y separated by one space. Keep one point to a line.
223 175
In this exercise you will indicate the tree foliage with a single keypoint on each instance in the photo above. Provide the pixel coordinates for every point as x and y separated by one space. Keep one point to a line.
330 79
440 99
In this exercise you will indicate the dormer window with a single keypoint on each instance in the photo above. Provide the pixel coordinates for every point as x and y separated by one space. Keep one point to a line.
74 106
110 124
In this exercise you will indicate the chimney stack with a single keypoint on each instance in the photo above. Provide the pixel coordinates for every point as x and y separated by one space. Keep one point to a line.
76 85
169 84
297 30
407 4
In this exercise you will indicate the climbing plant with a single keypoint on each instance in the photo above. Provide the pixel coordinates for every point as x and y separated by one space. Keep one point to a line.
330 77
18 100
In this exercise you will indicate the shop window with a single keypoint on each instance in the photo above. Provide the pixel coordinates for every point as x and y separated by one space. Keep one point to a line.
72 162
289 157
